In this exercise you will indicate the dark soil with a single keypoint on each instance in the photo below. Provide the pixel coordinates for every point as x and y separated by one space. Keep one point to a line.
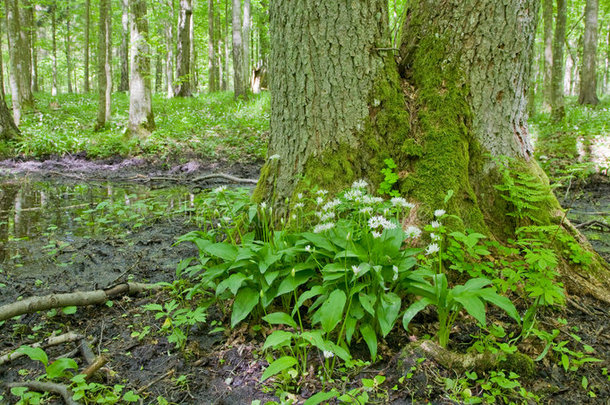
225 367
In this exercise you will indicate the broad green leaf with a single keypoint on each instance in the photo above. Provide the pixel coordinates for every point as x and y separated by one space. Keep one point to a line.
233 283
58 367
350 327
277 339
475 284
69 310
315 338
565 362
278 366
413 310
280 318
244 303
367 301
291 283
474 306
313 292
370 337
130 396
489 295
331 311
388 309
320 397
34 353
223 250
319 241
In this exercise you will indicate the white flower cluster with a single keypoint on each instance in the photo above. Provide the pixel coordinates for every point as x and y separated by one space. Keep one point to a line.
353 195
219 190
412 232
432 248
395 270
439 213
331 204
360 184
378 221
401 202
367 199
323 227
325 216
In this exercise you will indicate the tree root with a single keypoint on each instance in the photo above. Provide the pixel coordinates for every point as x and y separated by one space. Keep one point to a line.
35 304
60 389
462 362
50 341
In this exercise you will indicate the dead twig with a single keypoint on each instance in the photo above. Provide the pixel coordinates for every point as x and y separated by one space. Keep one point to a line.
226 177
95 365
60 389
48 342
156 380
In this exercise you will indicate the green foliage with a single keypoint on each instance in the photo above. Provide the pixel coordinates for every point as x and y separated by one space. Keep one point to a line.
390 178
177 320
206 126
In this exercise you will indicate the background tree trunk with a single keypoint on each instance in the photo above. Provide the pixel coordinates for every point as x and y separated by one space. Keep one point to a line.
26 52
124 49
54 47
169 44
67 45
557 98
183 60
239 82
194 82
246 24
33 37
212 63
588 70
86 46
141 120
104 72
20 78
547 17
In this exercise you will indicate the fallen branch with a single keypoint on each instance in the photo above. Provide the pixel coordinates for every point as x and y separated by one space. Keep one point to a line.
592 224
97 363
82 298
50 341
60 389
226 177
86 351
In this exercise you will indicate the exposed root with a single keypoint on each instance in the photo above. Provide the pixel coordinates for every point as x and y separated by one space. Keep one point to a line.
50 341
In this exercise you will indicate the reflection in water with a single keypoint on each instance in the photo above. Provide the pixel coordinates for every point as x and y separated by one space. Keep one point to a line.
34 214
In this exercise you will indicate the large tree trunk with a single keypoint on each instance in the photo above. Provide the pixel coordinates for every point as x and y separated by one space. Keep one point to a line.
239 81
183 59
141 120
86 88
588 71
212 63
26 52
104 72
193 56
557 98
169 45
547 17
67 45
458 105
124 49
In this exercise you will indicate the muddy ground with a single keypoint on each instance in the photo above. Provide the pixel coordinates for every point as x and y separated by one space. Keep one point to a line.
225 367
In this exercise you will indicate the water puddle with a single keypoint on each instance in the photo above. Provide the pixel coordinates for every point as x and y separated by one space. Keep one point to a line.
69 235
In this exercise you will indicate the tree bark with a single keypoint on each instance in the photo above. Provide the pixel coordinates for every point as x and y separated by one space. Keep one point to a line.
54 48
67 45
169 44
141 119
104 72
194 82
246 41
212 63
26 40
455 105
124 49
239 81
588 70
547 17
86 88
183 59
32 35
8 129
20 76
557 97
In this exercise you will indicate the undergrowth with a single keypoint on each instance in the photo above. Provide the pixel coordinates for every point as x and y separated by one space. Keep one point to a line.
211 126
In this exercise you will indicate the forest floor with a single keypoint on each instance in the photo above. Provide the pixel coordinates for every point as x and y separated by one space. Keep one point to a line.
225 366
